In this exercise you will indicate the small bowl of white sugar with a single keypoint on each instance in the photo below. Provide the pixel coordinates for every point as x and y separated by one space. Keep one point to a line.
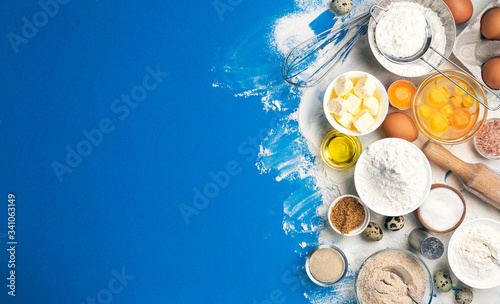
443 210
392 177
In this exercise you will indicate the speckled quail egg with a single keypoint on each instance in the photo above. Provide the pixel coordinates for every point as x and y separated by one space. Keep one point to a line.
341 6
394 223
463 296
442 281
373 232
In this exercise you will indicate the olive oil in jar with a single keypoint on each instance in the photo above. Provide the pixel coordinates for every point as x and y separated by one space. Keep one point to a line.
340 151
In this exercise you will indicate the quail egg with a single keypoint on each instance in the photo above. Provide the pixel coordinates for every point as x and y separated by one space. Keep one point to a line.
442 281
373 232
394 223
341 6
463 296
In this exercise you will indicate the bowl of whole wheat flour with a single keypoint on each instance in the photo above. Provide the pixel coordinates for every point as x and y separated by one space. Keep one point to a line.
393 177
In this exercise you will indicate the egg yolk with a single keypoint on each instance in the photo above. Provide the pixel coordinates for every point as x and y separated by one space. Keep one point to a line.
401 94
456 101
447 110
469 101
424 111
461 119
438 122
459 90
437 96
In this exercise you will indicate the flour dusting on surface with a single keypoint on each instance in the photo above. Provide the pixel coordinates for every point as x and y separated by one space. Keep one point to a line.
290 150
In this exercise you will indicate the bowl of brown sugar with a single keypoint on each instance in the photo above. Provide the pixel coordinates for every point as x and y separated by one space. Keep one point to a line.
348 215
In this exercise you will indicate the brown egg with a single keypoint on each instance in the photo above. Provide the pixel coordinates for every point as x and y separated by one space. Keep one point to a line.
460 9
400 125
490 24
491 73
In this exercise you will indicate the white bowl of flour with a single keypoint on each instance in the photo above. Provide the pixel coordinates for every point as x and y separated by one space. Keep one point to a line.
472 251
392 177
403 36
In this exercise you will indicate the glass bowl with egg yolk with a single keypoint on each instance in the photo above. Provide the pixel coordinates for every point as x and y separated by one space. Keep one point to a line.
444 112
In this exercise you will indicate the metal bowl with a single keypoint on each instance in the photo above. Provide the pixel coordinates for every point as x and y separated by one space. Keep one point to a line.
429 284
417 68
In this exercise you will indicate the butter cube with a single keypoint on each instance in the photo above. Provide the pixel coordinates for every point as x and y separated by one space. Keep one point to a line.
353 104
345 120
365 87
363 121
343 86
337 106
371 105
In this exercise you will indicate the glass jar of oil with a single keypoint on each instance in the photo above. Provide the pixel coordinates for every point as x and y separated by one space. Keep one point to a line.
340 151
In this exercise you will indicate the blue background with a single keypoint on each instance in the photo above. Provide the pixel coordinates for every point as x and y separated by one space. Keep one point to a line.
118 210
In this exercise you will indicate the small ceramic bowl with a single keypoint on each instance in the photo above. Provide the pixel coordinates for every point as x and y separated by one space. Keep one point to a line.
326 284
393 89
460 273
358 230
380 94
434 186
483 154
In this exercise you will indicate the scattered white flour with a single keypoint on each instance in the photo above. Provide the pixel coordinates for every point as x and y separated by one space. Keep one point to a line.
401 31
418 68
315 184
472 250
293 29
392 176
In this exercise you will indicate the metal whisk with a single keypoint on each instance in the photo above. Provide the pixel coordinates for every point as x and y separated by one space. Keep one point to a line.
309 62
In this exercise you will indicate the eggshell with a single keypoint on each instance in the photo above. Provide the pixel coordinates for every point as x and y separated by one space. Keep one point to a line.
460 9
491 73
400 125
490 24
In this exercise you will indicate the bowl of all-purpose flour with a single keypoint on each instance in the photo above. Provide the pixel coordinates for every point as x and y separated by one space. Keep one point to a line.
399 29
392 177
474 253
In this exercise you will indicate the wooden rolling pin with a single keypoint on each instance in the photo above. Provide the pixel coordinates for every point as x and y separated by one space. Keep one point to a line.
478 179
